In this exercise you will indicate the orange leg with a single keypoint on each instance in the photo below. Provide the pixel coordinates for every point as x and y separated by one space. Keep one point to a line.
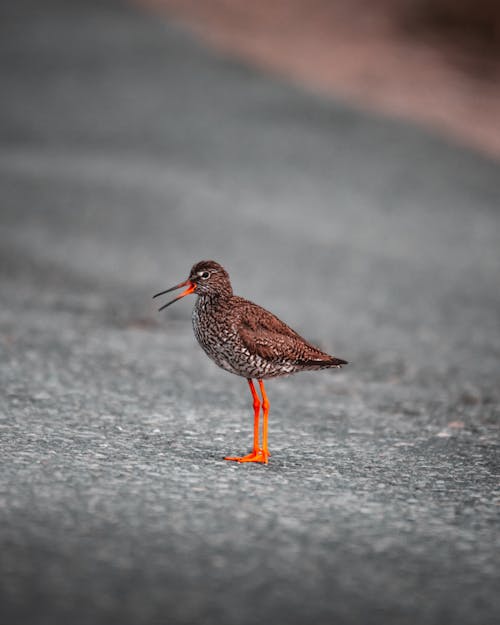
258 454
265 408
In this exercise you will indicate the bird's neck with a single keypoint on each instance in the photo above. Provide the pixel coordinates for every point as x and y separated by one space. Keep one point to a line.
210 302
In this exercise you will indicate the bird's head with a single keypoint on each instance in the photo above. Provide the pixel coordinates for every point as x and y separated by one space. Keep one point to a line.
206 278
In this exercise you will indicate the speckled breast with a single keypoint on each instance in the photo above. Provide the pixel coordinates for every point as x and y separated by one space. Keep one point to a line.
217 333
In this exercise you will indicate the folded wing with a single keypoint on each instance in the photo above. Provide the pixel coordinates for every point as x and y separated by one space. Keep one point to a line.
269 337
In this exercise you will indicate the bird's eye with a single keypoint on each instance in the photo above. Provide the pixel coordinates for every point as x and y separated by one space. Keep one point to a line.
204 275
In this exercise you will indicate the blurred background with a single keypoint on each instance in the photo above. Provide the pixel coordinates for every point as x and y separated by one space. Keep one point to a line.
341 160
436 62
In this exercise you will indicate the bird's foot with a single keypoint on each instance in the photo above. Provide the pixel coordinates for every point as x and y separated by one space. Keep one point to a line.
258 455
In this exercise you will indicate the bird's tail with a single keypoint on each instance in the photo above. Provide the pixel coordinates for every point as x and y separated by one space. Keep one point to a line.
331 362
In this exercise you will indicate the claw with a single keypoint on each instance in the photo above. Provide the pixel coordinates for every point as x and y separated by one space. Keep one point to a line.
256 456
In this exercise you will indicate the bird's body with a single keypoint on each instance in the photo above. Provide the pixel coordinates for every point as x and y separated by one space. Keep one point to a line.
247 340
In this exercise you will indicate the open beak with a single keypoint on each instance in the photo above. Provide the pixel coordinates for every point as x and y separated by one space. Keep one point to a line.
191 286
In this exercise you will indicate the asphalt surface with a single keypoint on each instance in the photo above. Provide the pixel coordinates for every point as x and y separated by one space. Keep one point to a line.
128 152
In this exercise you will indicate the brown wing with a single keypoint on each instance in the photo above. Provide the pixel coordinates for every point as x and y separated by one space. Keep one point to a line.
269 337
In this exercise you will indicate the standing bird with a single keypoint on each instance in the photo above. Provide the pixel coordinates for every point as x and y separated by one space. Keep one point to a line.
247 340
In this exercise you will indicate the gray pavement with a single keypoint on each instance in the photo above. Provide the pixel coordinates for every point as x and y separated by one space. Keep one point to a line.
128 152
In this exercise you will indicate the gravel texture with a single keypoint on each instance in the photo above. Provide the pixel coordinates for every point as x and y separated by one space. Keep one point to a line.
128 152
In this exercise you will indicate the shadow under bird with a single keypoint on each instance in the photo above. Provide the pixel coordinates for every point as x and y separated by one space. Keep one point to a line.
246 340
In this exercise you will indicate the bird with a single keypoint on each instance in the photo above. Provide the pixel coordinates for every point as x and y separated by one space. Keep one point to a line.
246 340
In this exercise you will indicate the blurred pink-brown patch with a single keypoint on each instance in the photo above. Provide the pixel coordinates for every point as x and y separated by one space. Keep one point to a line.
436 63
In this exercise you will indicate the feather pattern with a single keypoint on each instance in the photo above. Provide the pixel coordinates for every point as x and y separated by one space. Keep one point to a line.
248 340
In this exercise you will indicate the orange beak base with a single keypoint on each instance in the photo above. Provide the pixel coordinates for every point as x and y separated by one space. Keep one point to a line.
191 286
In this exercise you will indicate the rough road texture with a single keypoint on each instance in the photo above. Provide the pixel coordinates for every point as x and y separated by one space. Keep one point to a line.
128 153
